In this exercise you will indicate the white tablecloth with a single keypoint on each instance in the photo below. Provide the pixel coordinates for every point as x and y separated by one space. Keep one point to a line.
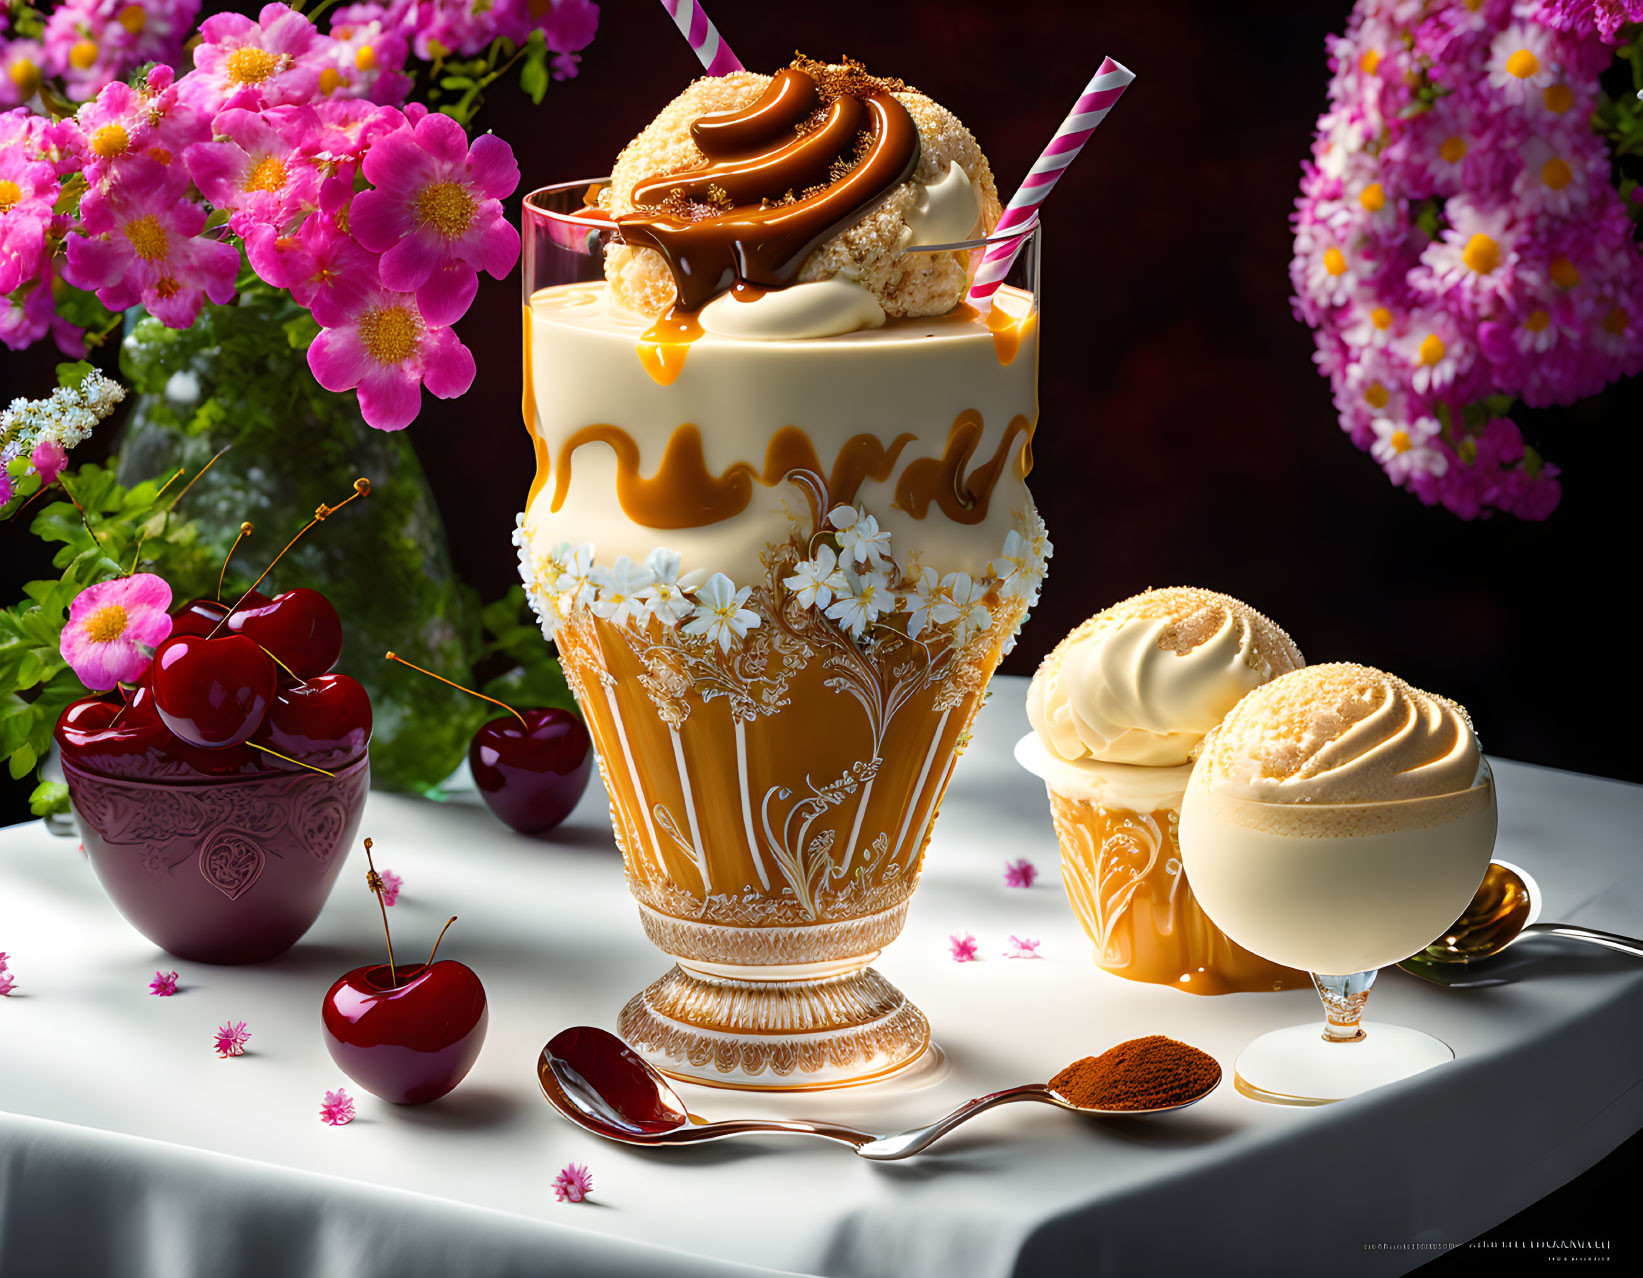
127 1146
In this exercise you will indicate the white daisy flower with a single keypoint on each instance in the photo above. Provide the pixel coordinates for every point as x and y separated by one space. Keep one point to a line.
923 604
861 540
1436 352
1329 269
1404 449
816 582
619 590
1554 177
1523 63
969 612
578 582
868 599
720 616
664 599
1367 323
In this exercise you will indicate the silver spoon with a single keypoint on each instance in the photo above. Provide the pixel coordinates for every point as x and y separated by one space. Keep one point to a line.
1498 917
602 1085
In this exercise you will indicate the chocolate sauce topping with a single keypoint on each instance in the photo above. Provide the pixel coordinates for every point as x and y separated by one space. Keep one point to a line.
784 174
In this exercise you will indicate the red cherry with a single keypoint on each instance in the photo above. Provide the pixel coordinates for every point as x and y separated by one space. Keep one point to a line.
325 722
300 627
212 692
201 616
532 777
96 736
409 1042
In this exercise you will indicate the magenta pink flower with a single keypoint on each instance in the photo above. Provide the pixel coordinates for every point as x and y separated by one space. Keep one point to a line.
436 213
152 121
337 1108
386 348
164 984
272 61
573 1184
28 190
322 265
365 54
85 47
48 459
6 490
20 70
1022 947
1019 873
27 314
7 982
113 628
157 28
141 247
568 27
231 1038
252 168
460 26
963 947
391 883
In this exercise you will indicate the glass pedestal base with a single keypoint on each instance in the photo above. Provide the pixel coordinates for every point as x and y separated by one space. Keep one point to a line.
798 1034
1299 1066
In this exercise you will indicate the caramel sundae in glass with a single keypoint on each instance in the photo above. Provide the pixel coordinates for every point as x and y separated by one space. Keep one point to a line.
781 535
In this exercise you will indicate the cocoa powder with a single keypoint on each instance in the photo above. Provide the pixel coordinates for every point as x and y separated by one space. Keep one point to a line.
1144 1073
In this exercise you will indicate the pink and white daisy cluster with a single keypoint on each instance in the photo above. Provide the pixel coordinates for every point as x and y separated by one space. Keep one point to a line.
1459 243
285 152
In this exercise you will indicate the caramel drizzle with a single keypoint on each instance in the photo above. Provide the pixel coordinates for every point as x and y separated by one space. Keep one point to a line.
762 237
527 406
684 493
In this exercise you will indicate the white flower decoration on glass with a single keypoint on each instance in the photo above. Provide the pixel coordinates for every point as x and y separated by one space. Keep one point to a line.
861 539
969 613
1020 571
664 598
816 582
869 598
619 599
926 606
578 584
720 616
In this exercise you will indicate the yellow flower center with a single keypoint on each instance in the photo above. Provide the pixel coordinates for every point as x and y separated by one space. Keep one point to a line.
1432 349
1453 150
25 75
1381 318
1376 396
390 333
251 65
1556 173
365 58
1481 253
107 624
109 141
1370 60
1563 272
1558 98
1334 261
449 209
1522 64
1615 321
147 237
1400 441
1537 321
10 194
132 18
267 174
330 80
82 55
1373 197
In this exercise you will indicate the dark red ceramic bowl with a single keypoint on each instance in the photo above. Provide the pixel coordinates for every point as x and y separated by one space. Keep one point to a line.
220 870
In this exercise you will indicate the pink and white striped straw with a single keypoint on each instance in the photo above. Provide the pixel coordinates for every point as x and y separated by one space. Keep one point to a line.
694 25
1106 86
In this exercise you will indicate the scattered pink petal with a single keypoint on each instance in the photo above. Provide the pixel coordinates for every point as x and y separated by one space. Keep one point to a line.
573 1184
1019 873
231 1039
391 883
7 982
1023 947
164 984
337 1108
963 947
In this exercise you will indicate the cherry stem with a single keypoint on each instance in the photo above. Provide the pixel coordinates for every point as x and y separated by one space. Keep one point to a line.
394 656
373 880
362 488
283 666
175 501
175 476
440 938
299 763
245 531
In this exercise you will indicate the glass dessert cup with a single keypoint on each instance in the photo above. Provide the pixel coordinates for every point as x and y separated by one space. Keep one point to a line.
1340 891
220 870
773 795
1121 866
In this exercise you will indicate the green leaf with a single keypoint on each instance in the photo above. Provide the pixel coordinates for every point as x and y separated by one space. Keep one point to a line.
301 331
22 761
73 374
533 75
50 798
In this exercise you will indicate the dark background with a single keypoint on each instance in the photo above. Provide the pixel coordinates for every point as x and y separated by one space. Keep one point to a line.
1185 436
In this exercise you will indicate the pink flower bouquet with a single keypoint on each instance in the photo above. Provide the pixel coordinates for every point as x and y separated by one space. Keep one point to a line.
1461 243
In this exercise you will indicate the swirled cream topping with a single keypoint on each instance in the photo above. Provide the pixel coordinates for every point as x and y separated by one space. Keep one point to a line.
1340 734
1144 681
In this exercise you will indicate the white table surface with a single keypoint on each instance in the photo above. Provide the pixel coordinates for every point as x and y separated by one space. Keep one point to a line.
127 1142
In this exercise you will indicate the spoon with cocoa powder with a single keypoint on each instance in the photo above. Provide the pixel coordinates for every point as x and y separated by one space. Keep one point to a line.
602 1085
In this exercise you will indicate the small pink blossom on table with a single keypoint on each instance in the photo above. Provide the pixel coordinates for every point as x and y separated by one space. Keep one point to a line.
113 628
1019 873
963 947
391 883
573 1184
337 1108
164 984
231 1039
7 982
1023 947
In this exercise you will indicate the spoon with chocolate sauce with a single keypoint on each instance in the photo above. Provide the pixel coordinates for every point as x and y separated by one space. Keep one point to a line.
1500 915
602 1085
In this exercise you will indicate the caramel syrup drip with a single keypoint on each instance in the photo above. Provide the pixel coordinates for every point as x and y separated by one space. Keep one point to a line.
757 239
684 493
527 407
962 495
665 344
